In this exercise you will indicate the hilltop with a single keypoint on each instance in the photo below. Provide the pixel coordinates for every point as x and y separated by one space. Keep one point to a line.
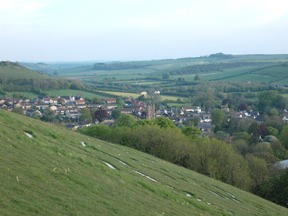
48 170
11 70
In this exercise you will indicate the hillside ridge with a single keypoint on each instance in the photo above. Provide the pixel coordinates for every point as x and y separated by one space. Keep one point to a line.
49 170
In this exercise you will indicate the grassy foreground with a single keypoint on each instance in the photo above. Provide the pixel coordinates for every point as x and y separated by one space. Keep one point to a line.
48 170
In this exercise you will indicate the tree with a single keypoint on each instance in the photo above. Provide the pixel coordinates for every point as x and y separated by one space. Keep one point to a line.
191 132
47 116
120 102
85 115
164 122
218 160
217 117
100 114
197 77
166 76
125 120
271 99
95 100
115 114
254 132
206 100
284 136
17 110
242 107
258 168
275 189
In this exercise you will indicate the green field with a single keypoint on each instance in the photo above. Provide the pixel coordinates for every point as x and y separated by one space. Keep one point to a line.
10 70
121 94
48 170
71 92
133 95
30 95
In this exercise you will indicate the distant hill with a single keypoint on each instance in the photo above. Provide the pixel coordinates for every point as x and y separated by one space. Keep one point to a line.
48 170
10 70
218 66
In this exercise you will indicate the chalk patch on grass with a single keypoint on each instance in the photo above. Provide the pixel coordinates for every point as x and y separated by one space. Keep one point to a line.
109 165
213 193
168 186
199 200
83 144
146 176
122 162
29 135
189 195
231 195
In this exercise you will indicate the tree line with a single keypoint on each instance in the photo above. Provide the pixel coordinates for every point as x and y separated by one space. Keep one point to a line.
37 85
204 68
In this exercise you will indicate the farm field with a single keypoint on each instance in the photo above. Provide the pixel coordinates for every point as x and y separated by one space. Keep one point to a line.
71 92
133 95
68 173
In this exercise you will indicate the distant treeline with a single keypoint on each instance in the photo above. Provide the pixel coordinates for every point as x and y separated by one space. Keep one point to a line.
118 66
36 85
204 68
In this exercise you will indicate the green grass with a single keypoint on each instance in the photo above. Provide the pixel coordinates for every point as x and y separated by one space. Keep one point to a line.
30 95
122 94
133 95
71 92
53 174
14 71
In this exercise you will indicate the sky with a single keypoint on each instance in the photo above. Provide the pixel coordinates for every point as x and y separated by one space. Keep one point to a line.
104 30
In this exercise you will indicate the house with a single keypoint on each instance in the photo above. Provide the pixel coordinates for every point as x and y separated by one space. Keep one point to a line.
54 101
111 106
110 100
53 108
188 109
126 111
157 92
47 100
203 126
80 101
206 118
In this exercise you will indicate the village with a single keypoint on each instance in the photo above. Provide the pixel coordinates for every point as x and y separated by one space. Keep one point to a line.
67 111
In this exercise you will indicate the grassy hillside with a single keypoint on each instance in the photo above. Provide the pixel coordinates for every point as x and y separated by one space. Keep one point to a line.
47 170
9 70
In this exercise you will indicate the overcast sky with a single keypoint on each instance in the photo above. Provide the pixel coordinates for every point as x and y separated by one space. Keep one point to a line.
79 30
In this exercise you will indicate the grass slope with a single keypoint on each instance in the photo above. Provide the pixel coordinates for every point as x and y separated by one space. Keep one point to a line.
52 173
9 70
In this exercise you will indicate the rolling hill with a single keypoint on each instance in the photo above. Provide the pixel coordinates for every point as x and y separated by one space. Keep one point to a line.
10 70
220 67
48 170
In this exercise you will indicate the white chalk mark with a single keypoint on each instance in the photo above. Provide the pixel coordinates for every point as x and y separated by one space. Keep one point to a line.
83 144
231 195
213 193
146 176
29 135
188 195
122 162
109 165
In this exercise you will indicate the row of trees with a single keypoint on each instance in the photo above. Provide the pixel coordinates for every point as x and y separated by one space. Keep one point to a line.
204 68
37 85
